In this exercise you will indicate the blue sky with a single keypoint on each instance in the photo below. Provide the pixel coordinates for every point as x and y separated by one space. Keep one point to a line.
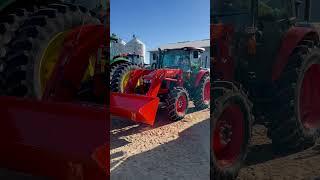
158 22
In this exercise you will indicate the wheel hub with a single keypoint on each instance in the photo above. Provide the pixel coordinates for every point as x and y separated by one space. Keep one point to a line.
181 104
225 133
229 135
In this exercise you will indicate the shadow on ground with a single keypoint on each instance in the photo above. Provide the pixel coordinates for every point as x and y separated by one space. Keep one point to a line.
125 127
263 163
186 157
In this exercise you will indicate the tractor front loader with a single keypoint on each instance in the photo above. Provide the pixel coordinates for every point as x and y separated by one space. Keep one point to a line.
266 63
177 78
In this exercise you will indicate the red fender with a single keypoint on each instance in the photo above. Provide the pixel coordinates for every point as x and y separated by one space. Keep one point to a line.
199 77
290 41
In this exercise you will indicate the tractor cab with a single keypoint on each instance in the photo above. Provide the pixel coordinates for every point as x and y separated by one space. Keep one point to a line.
249 33
187 59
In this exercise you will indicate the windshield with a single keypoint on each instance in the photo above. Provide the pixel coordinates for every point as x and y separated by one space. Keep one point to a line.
177 59
276 8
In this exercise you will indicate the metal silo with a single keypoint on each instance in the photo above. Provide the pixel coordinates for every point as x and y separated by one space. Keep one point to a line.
135 46
117 47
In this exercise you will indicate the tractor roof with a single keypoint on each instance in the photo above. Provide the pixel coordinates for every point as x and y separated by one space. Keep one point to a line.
186 48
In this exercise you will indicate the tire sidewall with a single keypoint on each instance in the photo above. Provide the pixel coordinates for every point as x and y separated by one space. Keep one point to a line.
311 59
181 93
238 99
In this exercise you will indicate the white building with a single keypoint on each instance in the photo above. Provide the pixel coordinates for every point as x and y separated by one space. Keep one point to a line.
205 56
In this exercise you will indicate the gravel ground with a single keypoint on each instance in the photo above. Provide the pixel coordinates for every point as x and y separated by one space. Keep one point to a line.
169 150
180 150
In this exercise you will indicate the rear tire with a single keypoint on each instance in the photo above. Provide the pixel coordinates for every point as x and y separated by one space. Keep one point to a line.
8 26
198 96
177 103
227 166
287 130
22 62
113 68
119 74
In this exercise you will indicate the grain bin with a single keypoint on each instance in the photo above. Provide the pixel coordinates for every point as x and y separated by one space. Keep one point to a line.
117 47
135 46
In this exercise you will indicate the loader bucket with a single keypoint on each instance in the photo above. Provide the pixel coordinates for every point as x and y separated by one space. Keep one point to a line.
138 108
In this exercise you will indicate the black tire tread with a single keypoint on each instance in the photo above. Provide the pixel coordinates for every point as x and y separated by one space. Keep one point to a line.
171 102
228 91
286 130
117 75
30 39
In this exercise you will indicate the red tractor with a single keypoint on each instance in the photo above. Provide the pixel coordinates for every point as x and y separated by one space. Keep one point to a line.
176 79
266 64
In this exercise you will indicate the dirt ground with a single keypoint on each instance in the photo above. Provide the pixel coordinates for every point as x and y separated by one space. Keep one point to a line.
169 150
263 164
180 150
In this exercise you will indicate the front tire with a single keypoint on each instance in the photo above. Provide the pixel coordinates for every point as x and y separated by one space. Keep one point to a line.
230 131
177 103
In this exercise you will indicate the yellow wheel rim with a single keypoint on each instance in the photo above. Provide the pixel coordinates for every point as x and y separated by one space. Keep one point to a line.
50 58
125 79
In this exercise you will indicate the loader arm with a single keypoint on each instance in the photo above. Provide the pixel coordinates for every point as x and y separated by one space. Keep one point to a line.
138 108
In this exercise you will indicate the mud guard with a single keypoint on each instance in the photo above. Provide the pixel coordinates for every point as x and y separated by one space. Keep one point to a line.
199 76
289 43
